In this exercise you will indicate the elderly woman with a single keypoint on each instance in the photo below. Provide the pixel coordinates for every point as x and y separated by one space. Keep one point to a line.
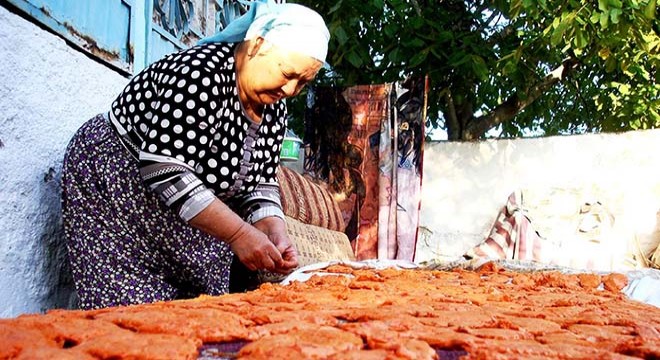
161 192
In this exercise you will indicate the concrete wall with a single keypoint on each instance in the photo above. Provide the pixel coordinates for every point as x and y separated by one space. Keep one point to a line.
47 90
466 184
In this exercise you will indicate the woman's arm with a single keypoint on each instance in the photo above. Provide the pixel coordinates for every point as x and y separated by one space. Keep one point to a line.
253 246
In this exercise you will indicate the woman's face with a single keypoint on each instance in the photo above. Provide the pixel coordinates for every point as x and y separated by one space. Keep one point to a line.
271 73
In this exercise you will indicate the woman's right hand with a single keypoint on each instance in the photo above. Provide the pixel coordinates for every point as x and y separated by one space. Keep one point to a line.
255 250
251 245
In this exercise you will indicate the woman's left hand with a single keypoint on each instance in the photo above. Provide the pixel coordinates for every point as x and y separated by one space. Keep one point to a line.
275 229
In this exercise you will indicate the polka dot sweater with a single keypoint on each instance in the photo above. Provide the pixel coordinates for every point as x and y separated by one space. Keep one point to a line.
183 120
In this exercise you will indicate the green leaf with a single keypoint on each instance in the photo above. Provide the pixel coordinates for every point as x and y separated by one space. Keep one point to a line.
655 116
416 43
615 3
341 35
604 19
615 14
335 7
556 22
650 10
416 23
604 53
636 124
479 67
510 68
394 56
610 64
353 58
557 36
581 39
458 58
438 54
546 31
602 5
515 8
518 53
444 36
418 58
390 30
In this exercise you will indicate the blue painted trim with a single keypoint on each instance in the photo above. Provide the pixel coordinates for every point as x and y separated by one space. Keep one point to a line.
139 34
42 16
145 38
148 26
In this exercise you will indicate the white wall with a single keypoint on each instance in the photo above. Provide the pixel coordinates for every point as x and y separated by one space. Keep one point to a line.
465 184
47 90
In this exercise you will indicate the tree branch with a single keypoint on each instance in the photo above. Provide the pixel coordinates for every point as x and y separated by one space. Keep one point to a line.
513 105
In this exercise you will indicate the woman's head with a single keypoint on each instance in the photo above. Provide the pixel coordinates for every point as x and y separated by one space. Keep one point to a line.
284 47
291 27
268 73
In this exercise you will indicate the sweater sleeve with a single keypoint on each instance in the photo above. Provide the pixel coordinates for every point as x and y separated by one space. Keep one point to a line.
176 184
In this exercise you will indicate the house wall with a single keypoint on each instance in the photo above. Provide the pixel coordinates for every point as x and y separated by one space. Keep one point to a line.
465 184
47 90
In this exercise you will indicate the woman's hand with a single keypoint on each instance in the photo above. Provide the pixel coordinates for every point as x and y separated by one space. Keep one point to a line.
254 247
275 229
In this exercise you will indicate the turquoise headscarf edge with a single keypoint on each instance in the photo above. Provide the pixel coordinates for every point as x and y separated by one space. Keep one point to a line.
236 30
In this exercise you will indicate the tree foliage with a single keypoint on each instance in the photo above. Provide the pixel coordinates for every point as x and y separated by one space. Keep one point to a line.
519 66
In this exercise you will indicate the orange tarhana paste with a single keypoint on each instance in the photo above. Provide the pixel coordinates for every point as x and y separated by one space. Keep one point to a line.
490 313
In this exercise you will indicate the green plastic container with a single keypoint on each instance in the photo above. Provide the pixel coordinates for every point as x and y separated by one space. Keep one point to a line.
290 147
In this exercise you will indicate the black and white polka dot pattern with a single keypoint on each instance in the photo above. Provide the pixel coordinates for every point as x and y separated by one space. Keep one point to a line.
182 116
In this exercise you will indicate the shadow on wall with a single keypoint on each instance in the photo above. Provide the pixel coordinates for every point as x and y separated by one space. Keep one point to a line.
55 275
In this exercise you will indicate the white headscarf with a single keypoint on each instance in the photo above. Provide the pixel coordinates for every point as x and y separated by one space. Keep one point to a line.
290 26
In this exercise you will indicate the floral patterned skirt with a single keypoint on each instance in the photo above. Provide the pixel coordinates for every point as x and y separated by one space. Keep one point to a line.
125 245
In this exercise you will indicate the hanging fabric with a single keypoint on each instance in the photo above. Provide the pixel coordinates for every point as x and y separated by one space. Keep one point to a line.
366 142
409 115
